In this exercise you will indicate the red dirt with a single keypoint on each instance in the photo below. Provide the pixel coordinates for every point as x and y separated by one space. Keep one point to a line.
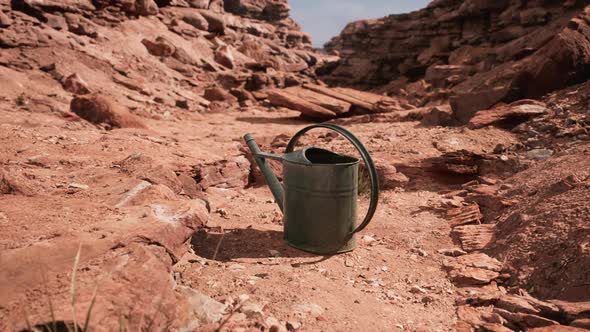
150 182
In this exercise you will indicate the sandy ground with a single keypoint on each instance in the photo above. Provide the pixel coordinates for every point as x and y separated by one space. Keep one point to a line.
373 288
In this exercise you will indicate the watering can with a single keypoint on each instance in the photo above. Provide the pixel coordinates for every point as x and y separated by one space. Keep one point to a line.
318 196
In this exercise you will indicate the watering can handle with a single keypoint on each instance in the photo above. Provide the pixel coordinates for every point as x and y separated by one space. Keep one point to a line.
366 158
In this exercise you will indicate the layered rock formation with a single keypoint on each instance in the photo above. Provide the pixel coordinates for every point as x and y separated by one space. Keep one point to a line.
111 152
476 53
134 50
114 65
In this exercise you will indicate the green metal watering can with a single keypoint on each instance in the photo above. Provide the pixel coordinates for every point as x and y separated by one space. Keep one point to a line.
318 196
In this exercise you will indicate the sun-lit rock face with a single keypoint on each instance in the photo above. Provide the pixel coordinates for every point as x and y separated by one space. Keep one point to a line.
461 49
268 10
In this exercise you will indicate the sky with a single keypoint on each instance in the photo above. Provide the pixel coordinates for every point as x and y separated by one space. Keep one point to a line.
324 19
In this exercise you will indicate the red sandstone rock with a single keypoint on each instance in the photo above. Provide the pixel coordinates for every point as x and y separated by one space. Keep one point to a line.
438 116
199 4
218 94
64 6
464 215
509 115
583 323
558 328
389 177
260 9
76 85
565 56
481 261
196 20
335 105
14 183
216 22
80 25
146 7
224 57
227 173
341 96
146 168
160 47
100 109
517 55
472 276
525 321
574 310
475 237
285 99
5 21
57 22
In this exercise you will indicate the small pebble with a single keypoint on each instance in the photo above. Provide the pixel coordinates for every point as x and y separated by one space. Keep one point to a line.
417 289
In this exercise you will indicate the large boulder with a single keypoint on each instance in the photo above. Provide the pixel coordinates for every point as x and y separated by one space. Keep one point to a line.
566 56
196 20
484 90
101 109
268 10
508 116
5 21
219 94
146 7
160 47
216 22
224 56
80 25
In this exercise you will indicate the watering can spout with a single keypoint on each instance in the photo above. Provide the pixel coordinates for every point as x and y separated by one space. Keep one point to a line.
271 179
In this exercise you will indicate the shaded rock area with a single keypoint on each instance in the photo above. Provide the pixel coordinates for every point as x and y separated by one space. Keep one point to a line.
475 53
517 221
104 110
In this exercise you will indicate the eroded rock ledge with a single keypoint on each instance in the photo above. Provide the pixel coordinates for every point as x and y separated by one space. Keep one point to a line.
476 53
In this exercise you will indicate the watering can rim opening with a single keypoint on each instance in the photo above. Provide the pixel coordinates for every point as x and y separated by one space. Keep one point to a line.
309 163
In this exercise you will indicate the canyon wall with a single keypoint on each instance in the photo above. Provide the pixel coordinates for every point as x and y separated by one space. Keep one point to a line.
200 55
477 53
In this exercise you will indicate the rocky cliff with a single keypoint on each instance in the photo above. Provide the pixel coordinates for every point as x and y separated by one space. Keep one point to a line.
91 67
152 56
478 53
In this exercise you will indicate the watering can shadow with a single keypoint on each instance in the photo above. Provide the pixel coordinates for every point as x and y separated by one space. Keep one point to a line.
319 193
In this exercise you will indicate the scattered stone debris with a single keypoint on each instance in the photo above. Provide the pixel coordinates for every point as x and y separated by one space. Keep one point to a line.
200 71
